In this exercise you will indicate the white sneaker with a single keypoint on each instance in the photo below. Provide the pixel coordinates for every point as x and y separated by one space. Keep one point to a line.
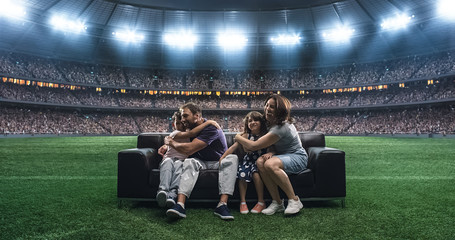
293 207
161 198
273 208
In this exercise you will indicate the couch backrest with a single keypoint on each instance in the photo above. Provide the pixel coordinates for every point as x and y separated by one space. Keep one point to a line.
156 140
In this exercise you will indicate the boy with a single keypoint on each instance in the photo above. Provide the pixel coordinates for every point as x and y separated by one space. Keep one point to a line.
171 167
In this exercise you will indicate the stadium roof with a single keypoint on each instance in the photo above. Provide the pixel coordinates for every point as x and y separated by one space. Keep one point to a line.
235 5
259 20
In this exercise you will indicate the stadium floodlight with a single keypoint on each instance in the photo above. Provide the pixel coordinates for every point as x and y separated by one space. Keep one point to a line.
183 39
397 22
128 36
445 9
340 34
286 39
64 24
232 40
12 10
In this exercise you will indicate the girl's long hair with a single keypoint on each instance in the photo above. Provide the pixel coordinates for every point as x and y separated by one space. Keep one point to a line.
257 116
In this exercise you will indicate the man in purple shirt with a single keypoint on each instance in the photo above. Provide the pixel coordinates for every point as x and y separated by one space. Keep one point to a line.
204 152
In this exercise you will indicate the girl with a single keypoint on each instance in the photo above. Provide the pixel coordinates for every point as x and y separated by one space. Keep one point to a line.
254 128
289 156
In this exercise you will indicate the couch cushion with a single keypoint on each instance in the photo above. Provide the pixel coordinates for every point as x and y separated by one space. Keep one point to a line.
206 186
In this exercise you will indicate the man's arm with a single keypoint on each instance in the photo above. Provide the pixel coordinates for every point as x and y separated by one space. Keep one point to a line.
188 148
195 131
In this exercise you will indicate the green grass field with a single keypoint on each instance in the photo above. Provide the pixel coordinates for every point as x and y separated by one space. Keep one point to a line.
65 188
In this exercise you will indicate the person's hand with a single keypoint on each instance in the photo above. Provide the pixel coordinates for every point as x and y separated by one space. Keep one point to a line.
214 123
162 150
167 140
221 158
267 156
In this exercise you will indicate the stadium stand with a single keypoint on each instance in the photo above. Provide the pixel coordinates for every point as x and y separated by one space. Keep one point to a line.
364 98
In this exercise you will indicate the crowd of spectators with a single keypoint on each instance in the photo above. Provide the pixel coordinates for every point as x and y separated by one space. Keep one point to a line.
8 64
96 79
157 122
235 102
411 121
418 120
411 93
37 94
46 69
223 79
199 80
365 73
140 78
31 121
136 100
171 79
78 73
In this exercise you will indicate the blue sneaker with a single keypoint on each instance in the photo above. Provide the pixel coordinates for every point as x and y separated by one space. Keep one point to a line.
177 211
170 201
223 212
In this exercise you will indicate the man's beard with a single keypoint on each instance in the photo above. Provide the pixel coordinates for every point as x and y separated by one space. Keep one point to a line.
190 125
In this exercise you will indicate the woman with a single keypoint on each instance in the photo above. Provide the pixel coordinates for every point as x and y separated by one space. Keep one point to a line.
288 157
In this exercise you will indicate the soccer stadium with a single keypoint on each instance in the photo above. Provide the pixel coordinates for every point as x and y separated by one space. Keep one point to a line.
83 83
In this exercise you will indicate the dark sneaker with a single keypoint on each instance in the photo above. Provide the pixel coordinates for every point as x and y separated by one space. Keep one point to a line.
170 201
161 198
223 212
177 211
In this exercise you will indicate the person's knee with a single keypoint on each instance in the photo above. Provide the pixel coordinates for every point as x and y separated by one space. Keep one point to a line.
187 162
229 160
272 164
260 162
178 164
191 163
167 162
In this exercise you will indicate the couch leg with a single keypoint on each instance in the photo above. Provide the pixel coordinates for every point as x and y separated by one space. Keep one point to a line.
343 203
120 203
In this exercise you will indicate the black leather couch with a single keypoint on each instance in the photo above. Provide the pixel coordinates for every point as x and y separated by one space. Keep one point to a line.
138 172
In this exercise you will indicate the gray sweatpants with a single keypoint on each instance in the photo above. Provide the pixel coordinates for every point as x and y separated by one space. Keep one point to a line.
227 174
170 173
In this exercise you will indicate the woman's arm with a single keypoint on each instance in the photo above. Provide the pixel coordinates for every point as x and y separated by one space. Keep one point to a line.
195 131
263 142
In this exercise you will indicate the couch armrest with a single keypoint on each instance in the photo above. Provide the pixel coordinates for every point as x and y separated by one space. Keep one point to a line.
312 139
150 140
328 165
134 167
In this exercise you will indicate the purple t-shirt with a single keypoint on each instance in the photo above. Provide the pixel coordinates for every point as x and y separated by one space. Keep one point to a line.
216 144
